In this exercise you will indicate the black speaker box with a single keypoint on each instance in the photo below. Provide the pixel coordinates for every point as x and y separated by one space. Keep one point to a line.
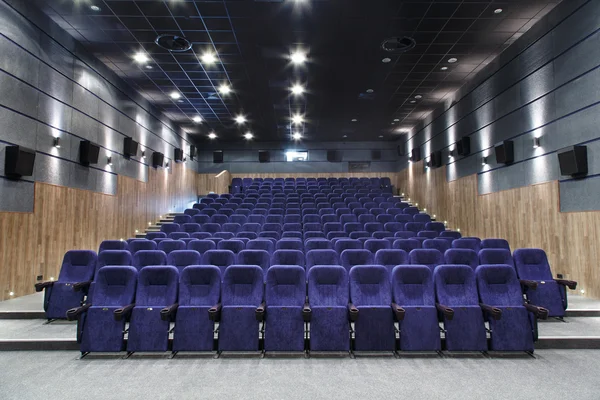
157 159
375 155
435 159
178 155
505 152
88 152
130 147
264 156
401 149
463 146
334 156
217 157
19 161
415 154
573 161
192 152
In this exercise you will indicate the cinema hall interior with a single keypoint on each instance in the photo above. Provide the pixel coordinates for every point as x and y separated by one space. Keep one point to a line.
300 199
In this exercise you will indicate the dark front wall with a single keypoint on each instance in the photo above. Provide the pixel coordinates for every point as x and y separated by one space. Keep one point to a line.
546 85
51 87
239 160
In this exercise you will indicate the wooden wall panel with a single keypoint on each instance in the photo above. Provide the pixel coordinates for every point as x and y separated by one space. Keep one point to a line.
527 217
64 218
213 183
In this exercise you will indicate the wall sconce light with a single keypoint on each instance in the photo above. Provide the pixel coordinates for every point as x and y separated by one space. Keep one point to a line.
57 142
167 165
536 142
484 161
143 153
109 161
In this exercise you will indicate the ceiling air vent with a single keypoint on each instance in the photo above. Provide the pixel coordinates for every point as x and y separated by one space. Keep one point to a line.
398 45
173 43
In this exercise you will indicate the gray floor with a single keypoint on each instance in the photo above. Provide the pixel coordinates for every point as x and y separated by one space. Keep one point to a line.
554 374
574 326
36 329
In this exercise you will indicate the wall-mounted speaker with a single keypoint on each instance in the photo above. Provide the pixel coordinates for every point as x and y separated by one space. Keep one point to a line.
463 146
375 155
88 152
217 157
130 147
415 154
573 161
192 152
334 156
505 152
435 159
401 149
264 156
19 161
157 159
178 155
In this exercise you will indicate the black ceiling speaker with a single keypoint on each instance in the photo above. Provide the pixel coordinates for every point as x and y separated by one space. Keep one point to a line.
192 152
130 147
463 146
415 154
217 157
334 156
505 152
178 155
264 156
435 159
174 43
88 152
157 159
18 161
401 149
398 45
375 155
573 161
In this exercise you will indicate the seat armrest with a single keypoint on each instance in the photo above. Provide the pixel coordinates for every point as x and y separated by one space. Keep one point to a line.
447 311
539 312
214 313
570 284
353 311
122 313
398 312
81 286
167 312
496 313
74 313
529 284
306 312
43 285
260 312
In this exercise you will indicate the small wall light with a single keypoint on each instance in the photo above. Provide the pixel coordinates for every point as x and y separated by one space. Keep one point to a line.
536 142
109 160
57 142
484 161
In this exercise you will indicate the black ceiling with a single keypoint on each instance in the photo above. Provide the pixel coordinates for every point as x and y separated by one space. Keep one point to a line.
342 38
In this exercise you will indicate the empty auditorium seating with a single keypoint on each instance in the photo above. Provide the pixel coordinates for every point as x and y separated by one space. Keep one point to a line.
352 257
183 258
219 258
462 257
288 257
428 257
113 245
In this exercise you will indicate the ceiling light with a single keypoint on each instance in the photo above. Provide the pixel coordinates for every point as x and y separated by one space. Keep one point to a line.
175 95
197 119
297 89
354 120
418 97
452 60
95 8
380 136
370 91
413 101
444 68
297 119
396 120
149 67
248 135
386 60
497 11
240 119
208 58
212 135
224 89
296 136
345 136
298 57
141 57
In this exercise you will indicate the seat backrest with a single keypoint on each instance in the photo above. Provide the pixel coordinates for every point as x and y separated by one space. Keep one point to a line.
498 285
170 227
450 234
438 227
439 244
254 257
328 286
321 257
466 243
462 256
406 244
351 257
182 219
211 227
370 286
171 245
158 286
412 285
285 287
495 256
290 244
144 258
288 257
113 245
495 244
411 210
414 226
345 244
183 258
261 244
113 257
199 285
428 234
532 264
455 285
242 286
141 244
219 258
234 245
191 227
317 244
421 218
154 235
115 286
389 258
201 246
404 218
430 257
374 245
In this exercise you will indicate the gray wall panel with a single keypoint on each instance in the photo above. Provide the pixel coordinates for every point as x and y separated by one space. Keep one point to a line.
17 196
579 195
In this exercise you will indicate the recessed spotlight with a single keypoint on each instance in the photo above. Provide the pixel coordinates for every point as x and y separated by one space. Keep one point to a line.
386 60
396 120
296 136
297 89
354 120
224 89
212 135
380 136
444 68
95 8
175 95
240 119
345 136
180 101
418 97
197 119
141 57
208 58
452 60
149 67
297 119
370 91
248 135
298 57
498 11
413 101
